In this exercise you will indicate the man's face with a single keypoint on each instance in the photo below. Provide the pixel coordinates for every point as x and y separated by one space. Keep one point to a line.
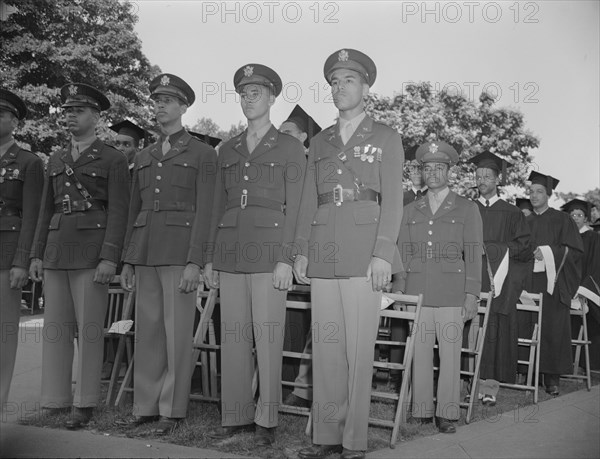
578 217
435 175
538 196
168 108
487 180
292 129
8 123
127 145
81 120
256 101
595 214
415 174
347 89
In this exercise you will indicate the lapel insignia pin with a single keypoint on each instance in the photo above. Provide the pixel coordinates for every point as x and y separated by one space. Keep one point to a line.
360 134
165 80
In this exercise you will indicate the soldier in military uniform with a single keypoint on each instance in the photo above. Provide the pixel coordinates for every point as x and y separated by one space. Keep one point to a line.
21 183
346 240
166 237
441 242
129 140
256 201
79 236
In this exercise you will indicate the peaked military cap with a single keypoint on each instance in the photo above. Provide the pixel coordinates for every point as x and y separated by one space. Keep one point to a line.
438 152
351 59
257 74
488 160
171 85
547 181
83 95
208 139
12 103
129 129
580 204
305 123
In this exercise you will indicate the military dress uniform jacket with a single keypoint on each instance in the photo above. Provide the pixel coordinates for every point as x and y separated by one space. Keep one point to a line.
170 208
21 184
256 202
80 239
441 253
339 241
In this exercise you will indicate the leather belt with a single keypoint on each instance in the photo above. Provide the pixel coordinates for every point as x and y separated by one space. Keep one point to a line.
9 211
339 195
177 206
246 200
67 206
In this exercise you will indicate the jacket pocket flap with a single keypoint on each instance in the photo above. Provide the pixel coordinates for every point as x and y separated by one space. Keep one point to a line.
91 220
366 215
12 223
141 219
321 217
94 172
229 219
269 219
180 219
55 221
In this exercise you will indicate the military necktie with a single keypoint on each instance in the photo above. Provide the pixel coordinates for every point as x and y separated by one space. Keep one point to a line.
166 146
346 133
75 152
252 141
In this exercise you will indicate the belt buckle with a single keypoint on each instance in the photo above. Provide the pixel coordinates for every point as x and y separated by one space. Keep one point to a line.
338 195
66 206
429 253
243 201
156 205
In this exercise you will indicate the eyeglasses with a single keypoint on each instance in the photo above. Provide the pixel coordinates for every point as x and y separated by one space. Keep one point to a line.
577 215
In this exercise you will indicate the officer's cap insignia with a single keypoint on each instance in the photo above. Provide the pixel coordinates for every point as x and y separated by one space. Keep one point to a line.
165 80
72 89
433 148
248 71
343 55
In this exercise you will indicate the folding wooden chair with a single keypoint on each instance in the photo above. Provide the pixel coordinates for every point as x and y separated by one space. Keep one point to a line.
532 303
581 341
409 310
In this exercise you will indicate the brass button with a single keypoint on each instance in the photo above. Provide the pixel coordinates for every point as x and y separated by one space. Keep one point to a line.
430 232
98 225
245 177
67 183
429 243
156 190
93 174
158 177
276 224
247 164
159 164
339 171
431 222
244 191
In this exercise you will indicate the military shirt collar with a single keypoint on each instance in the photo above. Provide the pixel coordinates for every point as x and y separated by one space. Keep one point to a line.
173 138
84 144
5 147
354 122
260 133
439 196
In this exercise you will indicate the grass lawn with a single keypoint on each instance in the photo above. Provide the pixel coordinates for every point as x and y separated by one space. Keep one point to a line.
290 436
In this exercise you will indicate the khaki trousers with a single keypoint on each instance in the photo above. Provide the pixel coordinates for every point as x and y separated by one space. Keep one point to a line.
164 332
445 324
75 304
252 314
10 312
345 315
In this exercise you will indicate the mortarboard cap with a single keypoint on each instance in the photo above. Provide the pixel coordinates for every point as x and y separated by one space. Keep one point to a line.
351 59
546 181
305 123
410 153
129 129
171 85
210 140
257 74
12 103
437 151
83 95
573 204
488 160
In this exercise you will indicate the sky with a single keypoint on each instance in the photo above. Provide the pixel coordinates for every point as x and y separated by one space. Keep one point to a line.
540 57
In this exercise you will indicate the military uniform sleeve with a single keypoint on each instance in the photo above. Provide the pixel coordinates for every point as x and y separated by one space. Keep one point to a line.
391 199
294 182
308 205
218 209
473 250
118 205
32 192
46 210
205 185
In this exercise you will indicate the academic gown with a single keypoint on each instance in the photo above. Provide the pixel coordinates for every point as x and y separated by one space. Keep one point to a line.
555 229
505 230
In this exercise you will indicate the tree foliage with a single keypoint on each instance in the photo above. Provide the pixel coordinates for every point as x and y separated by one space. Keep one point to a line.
208 126
48 43
420 115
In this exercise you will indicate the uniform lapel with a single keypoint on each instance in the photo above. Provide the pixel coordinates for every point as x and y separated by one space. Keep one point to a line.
422 205
363 132
10 156
179 147
240 145
66 157
156 151
332 136
268 142
90 154
447 205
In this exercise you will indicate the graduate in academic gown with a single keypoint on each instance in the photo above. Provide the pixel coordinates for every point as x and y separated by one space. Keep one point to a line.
557 274
579 211
504 269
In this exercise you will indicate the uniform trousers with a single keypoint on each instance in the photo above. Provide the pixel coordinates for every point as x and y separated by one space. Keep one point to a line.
345 316
75 308
252 314
446 325
164 342
10 312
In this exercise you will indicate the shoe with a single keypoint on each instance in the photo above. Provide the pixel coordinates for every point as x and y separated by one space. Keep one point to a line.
489 400
419 421
165 425
136 421
228 431
264 436
350 454
80 418
294 400
552 390
446 426
319 451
